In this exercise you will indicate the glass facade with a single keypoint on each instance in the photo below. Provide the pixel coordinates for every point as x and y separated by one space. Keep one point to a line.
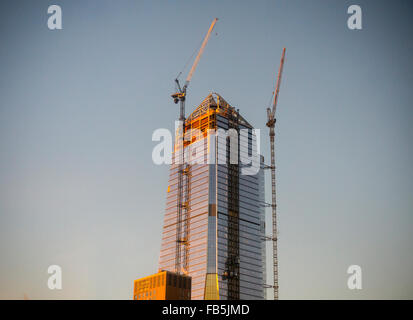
226 225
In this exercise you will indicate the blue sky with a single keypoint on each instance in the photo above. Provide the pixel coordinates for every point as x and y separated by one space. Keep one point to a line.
78 107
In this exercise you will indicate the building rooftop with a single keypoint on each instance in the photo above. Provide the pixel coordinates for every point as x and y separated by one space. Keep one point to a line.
218 103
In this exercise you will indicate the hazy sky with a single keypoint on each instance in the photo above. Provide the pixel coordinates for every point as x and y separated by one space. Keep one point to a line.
78 107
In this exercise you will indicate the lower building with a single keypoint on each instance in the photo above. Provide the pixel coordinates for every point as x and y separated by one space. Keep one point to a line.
163 285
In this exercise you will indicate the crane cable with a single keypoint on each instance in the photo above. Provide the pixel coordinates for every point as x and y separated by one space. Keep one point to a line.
189 60
191 57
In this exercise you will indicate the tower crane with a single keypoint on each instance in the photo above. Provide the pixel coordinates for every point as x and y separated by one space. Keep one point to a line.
181 94
182 227
271 125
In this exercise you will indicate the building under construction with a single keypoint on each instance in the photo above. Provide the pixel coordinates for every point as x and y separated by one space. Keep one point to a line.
214 224
219 237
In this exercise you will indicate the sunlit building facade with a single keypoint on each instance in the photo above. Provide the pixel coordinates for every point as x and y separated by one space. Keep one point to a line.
222 247
164 285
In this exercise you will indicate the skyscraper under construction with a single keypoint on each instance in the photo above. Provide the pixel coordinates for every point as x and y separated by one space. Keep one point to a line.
214 221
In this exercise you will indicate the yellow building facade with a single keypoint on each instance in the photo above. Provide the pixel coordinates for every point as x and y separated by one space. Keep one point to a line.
164 285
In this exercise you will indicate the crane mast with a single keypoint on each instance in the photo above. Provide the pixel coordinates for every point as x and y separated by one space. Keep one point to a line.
183 196
271 125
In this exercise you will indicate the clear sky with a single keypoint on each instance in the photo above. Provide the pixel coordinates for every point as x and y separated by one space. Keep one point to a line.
78 107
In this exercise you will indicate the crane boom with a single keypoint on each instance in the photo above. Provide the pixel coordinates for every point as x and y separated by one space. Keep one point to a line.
277 86
201 51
